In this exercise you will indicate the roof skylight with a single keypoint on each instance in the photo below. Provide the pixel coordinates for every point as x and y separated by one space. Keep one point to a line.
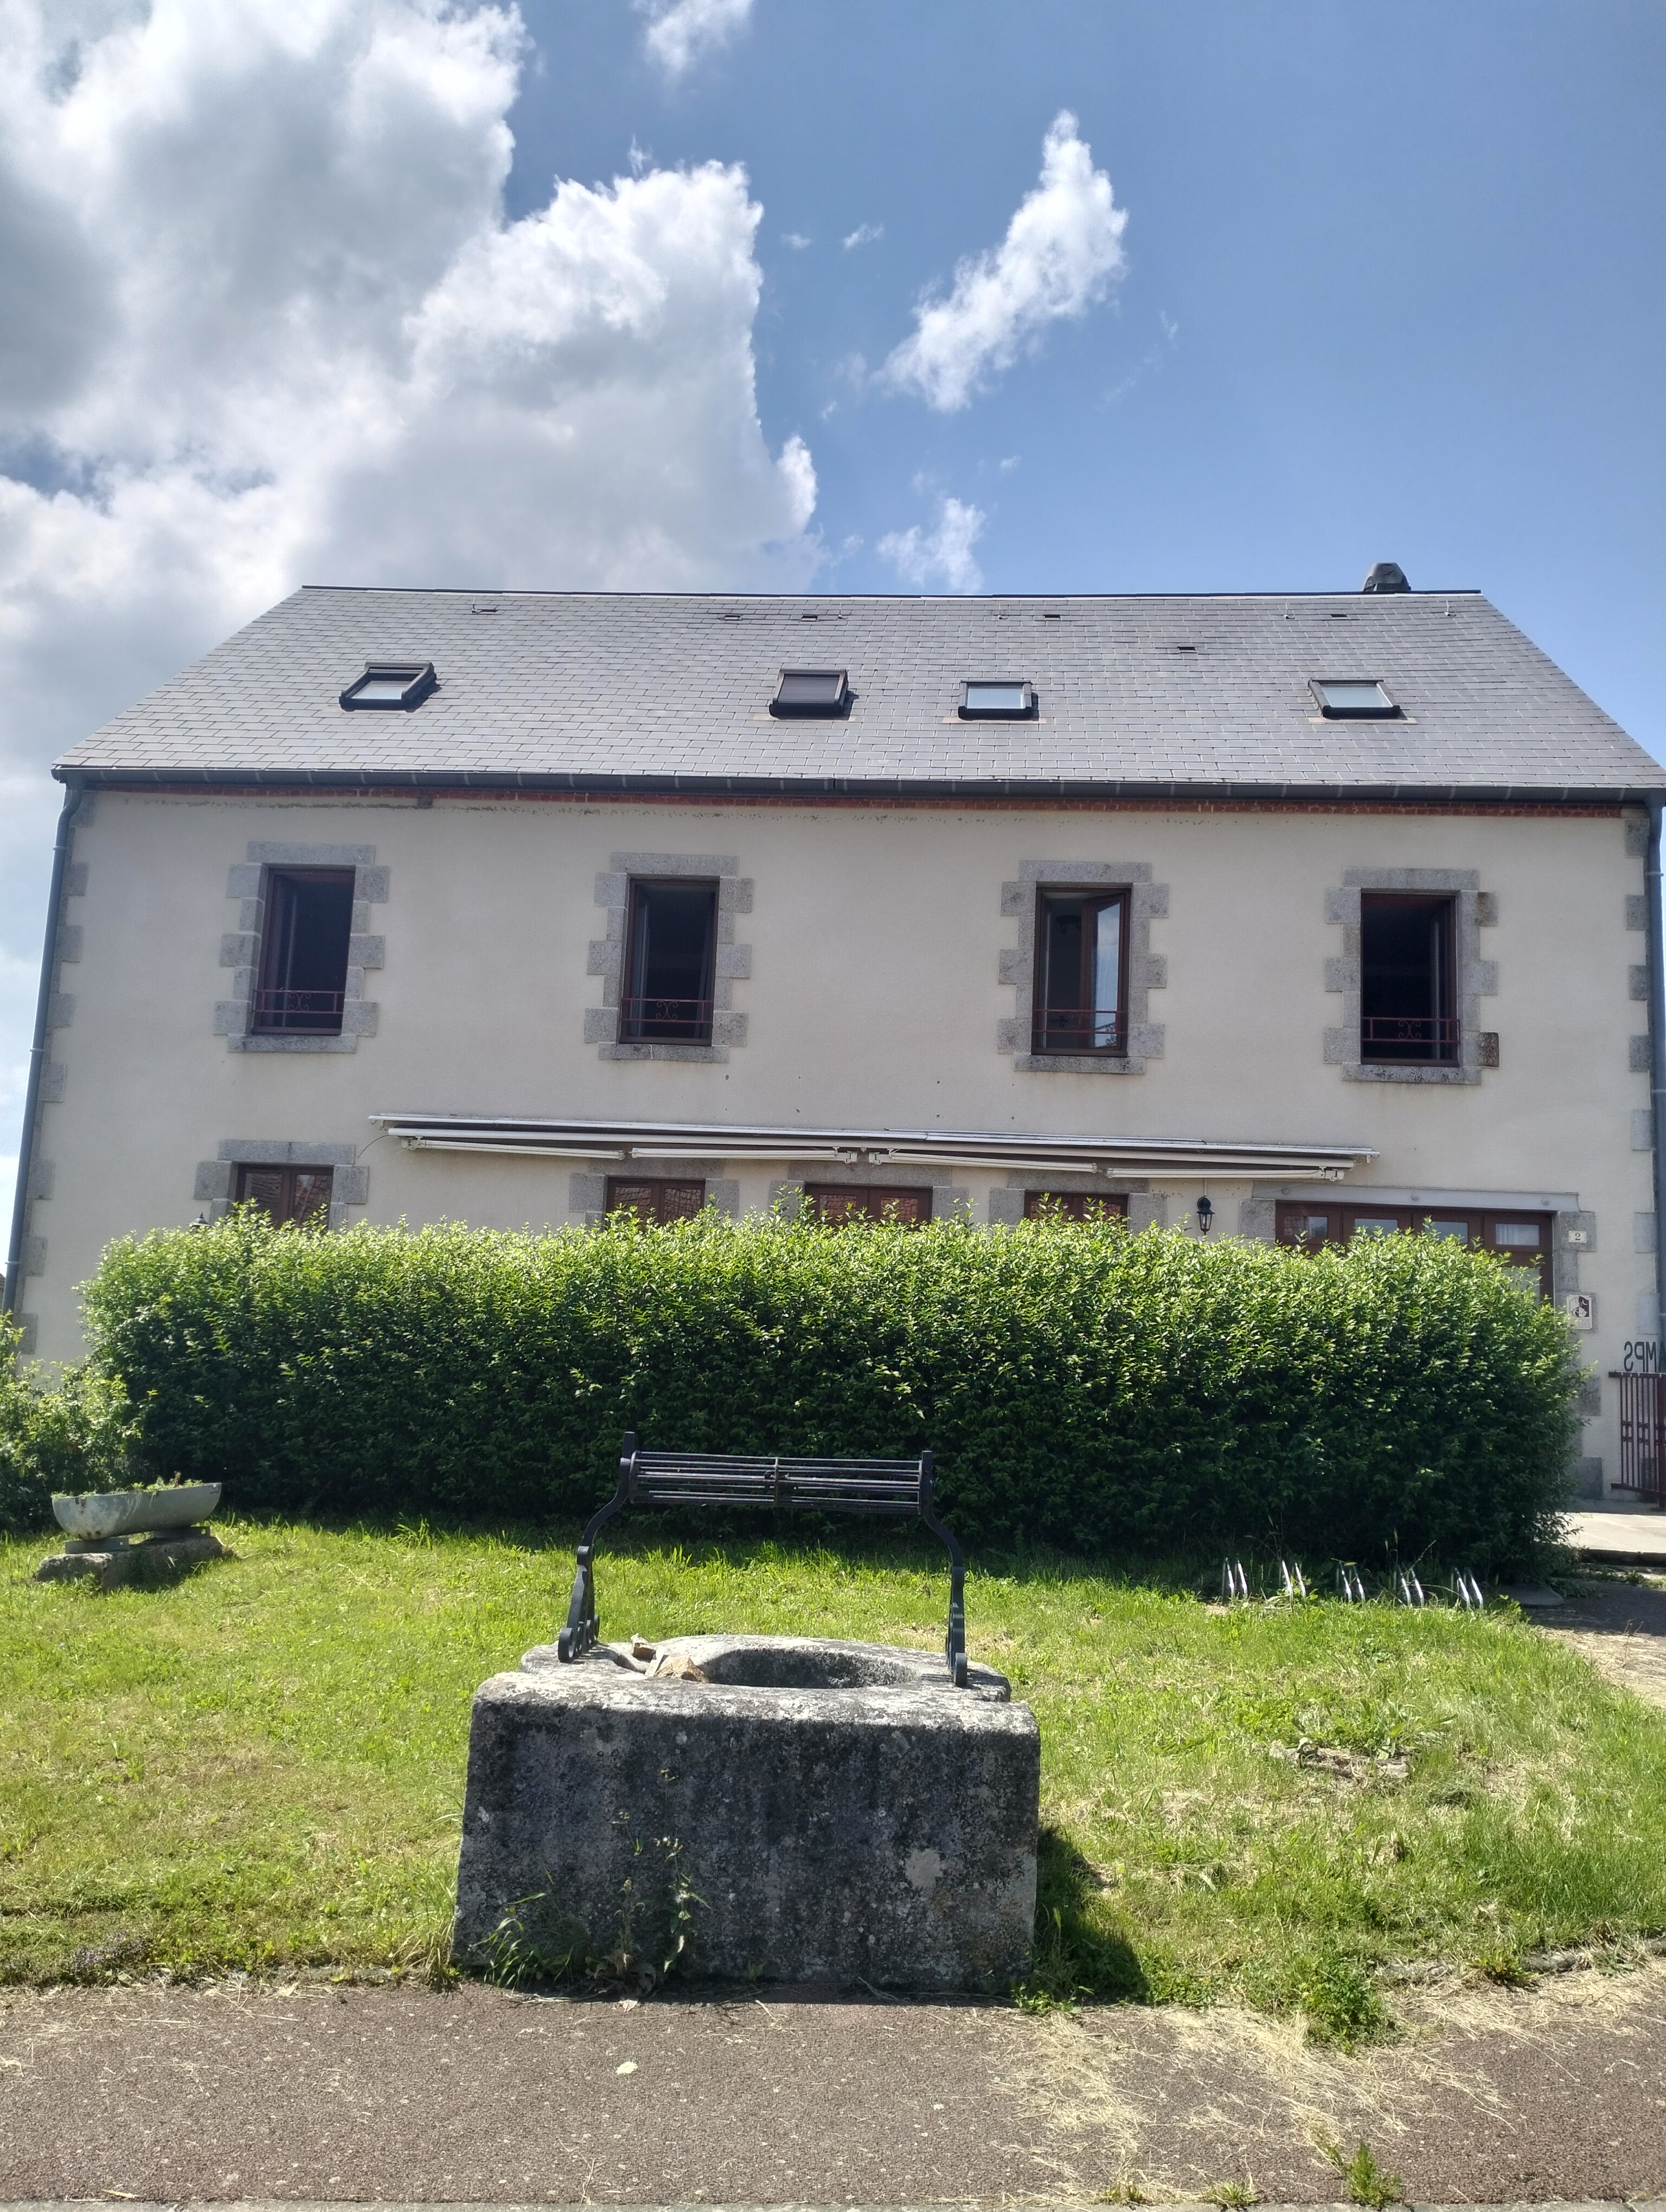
1354 699
812 691
394 686
986 700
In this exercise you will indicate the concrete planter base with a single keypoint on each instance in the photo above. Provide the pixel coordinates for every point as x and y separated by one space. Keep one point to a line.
810 1811
113 1561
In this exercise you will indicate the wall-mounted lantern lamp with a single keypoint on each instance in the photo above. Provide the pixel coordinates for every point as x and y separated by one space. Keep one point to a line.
1205 1214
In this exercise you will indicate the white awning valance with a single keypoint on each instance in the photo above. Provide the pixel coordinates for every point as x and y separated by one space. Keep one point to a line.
932 1149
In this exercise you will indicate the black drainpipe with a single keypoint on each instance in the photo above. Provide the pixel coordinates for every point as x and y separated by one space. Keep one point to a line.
20 1208
1658 1063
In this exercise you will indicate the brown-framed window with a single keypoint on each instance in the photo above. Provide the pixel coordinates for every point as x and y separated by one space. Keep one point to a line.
1522 1239
1407 978
1075 1206
655 1200
302 978
833 1204
670 962
297 1195
1080 994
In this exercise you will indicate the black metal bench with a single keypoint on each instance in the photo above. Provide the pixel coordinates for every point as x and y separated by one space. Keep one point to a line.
820 1485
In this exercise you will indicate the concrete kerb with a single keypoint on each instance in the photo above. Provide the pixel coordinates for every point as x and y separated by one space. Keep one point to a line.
702 2204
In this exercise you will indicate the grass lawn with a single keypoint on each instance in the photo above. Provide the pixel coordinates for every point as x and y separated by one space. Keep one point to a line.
263 1765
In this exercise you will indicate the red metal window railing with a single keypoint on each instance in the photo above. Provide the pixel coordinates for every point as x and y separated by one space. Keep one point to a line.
298 1009
1643 1436
677 1021
1077 1028
1439 1033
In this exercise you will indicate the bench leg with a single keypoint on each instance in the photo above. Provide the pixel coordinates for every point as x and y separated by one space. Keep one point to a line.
954 1646
583 1623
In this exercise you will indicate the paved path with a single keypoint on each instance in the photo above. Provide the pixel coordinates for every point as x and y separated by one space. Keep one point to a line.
476 2095
1614 1533
1621 1626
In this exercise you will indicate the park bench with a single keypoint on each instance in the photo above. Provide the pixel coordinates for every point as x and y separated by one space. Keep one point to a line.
777 1480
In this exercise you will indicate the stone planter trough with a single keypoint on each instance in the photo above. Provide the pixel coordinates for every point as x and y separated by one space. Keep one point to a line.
810 1811
103 1513
100 1525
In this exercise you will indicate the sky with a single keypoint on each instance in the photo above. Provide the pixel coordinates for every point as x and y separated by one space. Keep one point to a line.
1010 296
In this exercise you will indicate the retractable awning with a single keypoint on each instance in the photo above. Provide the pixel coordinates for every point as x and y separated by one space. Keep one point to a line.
650 1141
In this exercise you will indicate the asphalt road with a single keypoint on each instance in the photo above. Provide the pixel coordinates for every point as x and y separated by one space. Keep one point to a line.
477 2095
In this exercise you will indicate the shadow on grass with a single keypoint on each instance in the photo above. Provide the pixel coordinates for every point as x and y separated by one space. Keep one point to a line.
1078 1953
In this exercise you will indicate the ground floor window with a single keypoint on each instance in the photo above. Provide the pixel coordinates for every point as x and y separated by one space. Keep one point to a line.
654 1202
1522 1239
1075 1206
297 1195
835 1203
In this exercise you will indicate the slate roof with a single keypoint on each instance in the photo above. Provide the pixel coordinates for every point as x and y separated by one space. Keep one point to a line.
672 691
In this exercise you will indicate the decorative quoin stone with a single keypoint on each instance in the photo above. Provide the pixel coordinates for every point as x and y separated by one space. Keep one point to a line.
839 1812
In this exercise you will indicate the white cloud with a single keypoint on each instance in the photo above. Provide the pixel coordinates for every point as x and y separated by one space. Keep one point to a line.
941 556
683 32
796 240
1062 251
263 320
864 234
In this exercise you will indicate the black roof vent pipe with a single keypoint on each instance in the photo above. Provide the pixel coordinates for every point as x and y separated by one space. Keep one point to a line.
1386 576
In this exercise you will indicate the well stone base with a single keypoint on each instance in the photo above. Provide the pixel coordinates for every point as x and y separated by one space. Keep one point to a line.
810 1811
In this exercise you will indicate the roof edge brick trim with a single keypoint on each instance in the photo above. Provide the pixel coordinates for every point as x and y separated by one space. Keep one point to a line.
1180 698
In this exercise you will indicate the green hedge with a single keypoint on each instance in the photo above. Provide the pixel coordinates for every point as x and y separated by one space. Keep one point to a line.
1079 1386
74 1435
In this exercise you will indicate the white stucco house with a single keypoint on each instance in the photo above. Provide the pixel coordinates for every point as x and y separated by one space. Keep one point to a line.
1286 916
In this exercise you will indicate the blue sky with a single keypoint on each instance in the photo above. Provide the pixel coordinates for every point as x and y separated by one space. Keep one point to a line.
772 294
1394 287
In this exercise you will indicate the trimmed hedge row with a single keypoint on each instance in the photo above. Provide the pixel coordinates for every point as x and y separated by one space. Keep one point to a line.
77 1437
1079 1385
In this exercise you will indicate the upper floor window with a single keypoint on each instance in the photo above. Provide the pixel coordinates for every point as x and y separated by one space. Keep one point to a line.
398 686
1001 702
302 979
654 1201
834 1204
1081 972
297 1195
1352 699
1408 977
671 959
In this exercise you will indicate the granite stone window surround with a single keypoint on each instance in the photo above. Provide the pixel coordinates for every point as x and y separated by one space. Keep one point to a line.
1476 979
1148 971
1145 1211
216 1179
239 948
586 1190
734 963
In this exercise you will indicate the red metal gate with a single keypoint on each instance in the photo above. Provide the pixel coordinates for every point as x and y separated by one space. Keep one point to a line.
1643 1435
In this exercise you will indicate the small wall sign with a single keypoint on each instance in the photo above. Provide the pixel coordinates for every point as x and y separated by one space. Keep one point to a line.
1580 1307
1641 1357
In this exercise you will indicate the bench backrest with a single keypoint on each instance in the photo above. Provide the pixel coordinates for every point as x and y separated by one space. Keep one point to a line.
828 1486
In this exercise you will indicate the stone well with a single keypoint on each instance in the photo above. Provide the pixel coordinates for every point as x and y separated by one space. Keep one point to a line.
810 1811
